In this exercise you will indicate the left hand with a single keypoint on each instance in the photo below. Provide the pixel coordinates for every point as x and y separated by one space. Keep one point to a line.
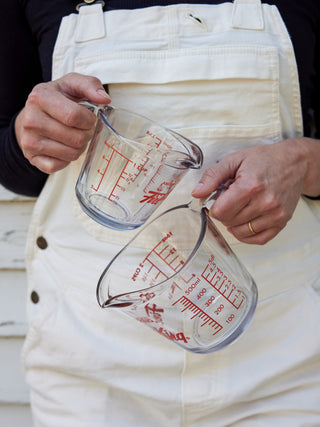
267 182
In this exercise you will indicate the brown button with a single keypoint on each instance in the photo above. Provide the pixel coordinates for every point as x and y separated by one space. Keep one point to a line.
42 243
34 297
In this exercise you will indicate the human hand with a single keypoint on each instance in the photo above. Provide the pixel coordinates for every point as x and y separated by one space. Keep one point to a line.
52 129
266 183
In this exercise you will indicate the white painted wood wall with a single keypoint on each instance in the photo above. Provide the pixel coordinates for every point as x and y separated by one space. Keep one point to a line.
15 212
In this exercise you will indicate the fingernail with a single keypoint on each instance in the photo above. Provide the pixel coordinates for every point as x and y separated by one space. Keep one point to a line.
197 188
103 93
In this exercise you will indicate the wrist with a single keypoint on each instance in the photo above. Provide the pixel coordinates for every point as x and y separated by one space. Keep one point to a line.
308 155
17 128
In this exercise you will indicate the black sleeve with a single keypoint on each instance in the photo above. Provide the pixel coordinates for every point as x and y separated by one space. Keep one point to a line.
20 70
316 96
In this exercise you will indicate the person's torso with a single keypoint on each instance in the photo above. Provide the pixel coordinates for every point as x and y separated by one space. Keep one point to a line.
301 19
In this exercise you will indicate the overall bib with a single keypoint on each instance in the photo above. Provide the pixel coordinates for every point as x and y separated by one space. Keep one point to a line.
224 76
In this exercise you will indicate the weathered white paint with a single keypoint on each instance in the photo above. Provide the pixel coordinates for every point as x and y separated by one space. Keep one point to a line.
12 303
14 220
15 212
15 415
12 386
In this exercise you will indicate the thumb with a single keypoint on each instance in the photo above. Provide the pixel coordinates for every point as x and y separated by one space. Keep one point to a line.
221 174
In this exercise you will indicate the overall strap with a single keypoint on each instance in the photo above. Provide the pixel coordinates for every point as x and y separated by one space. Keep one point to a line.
247 15
90 24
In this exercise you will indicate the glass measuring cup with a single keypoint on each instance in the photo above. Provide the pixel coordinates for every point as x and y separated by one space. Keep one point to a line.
179 276
131 166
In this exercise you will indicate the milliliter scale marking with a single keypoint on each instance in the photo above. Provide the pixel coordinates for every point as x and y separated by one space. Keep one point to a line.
166 255
125 173
129 173
163 255
164 260
197 312
215 277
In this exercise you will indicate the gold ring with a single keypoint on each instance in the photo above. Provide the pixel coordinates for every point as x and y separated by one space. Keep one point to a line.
251 228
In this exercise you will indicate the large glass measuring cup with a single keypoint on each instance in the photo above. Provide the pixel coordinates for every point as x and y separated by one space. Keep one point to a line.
131 166
179 276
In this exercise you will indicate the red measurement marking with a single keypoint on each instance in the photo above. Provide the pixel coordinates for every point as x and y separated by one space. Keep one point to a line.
154 312
105 169
174 287
197 312
163 260
155 137
154 268
153 197
146 296
164 187
169 256
121 176
219 281
126 173
172 336
153 180
187 281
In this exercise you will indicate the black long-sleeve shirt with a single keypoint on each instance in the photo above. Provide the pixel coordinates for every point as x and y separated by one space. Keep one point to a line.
28 30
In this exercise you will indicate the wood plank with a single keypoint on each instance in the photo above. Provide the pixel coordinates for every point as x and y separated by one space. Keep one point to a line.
12 415
15 213
13 388
13 294
14 222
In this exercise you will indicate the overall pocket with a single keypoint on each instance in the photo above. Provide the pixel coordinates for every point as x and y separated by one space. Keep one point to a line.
206 86
224 98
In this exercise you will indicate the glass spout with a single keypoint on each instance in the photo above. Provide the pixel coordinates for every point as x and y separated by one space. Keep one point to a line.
194 158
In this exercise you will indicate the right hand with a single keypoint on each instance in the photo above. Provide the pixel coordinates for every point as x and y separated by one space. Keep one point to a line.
52 129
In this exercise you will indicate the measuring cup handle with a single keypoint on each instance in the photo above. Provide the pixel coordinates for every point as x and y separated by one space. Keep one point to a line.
214 195
198 204
92 107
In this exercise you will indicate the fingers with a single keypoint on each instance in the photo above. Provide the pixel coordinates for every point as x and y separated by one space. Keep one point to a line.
261 196
260 238
257 222
79 87
49 144
50 156
233 206
224 175
214 177
58 107
53 129
40 127
256 231
48 164
52 148
60 100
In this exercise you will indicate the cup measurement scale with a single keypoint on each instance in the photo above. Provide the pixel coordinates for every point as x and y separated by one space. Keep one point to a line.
131 165
131 170
208 296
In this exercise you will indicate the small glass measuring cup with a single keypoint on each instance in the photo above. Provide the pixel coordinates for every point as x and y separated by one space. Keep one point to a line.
179 276
131 166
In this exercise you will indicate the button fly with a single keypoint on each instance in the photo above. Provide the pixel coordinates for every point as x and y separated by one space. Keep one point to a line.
34 297
42 243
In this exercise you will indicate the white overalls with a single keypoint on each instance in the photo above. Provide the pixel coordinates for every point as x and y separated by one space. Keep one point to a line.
225 76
